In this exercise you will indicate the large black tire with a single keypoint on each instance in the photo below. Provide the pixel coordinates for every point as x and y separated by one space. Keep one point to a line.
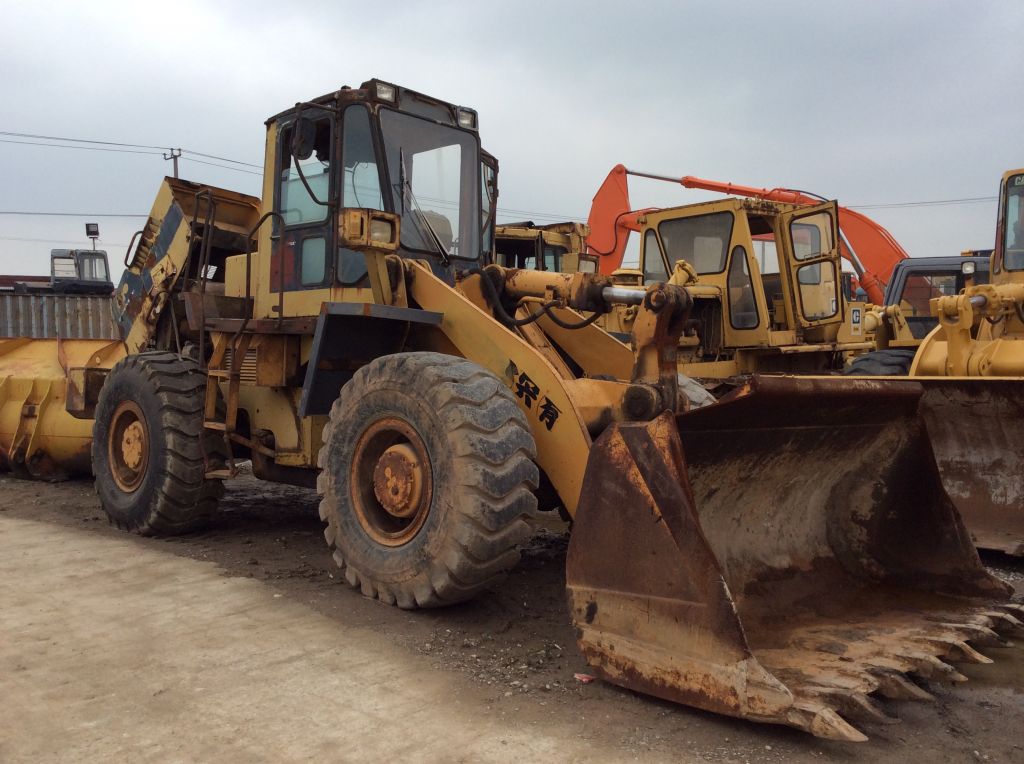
477 476
881 363
146 450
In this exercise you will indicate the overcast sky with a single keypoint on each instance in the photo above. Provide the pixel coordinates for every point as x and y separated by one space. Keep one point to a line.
869 103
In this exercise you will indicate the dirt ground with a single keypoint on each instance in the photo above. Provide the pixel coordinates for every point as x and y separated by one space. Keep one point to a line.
241 644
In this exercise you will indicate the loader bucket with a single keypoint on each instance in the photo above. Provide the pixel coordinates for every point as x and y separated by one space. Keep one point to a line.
781 556
976 428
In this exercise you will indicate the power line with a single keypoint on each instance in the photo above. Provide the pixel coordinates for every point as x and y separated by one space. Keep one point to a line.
113 143
79 140
222 159
81 148
221 166
73 214
59 241
933 203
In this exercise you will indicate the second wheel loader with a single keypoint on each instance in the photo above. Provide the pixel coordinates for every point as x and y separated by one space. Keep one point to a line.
784 555
764 276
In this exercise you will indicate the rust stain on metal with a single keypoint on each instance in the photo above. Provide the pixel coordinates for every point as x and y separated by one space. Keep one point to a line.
979 446
783 556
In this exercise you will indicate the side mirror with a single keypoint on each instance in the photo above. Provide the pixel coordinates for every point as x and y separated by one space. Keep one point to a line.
303 138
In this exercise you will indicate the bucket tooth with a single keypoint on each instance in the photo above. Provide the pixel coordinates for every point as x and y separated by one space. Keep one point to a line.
958 650
979 634
895 686
822 721
854 706
927 666
1004 622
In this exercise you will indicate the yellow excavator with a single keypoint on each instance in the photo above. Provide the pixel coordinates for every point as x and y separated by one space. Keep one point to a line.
785 554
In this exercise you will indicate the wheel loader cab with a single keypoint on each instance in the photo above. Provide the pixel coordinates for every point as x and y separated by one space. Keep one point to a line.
1010 250
762 273
554 247
379 147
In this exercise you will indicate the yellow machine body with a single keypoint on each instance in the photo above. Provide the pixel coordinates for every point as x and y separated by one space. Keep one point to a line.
783 554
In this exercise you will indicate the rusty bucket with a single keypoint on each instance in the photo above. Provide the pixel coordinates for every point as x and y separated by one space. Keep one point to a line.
784 555
976 427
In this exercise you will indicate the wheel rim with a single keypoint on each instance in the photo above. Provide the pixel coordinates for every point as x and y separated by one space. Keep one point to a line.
392 482
128 446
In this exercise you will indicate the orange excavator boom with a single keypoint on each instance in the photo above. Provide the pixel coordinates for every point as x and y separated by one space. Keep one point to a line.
867 245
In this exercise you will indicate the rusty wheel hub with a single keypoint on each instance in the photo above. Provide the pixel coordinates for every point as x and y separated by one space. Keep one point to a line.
391 481
398 480
128 446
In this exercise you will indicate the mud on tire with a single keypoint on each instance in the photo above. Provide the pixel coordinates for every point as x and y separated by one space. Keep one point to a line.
881 363
474 491
146 448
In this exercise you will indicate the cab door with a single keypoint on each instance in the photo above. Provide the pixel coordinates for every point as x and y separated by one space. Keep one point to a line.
747 322
809 245
302 265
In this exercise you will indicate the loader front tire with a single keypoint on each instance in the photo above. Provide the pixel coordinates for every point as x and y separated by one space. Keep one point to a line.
893 362
427 477
147 445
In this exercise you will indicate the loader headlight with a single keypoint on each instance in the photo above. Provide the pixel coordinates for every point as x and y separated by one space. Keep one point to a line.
467 119
969 268
381 231
362 229
386 92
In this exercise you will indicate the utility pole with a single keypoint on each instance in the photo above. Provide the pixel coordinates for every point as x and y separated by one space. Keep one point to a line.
175 153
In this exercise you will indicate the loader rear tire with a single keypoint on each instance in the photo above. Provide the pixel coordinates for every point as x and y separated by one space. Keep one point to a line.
427 477
881 363
146 447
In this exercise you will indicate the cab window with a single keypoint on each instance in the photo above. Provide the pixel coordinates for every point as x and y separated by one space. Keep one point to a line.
654 264
361 185
701 240
742 305
812 235
1013 258
298 207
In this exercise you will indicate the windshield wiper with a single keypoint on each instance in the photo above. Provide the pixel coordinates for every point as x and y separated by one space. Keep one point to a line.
419 217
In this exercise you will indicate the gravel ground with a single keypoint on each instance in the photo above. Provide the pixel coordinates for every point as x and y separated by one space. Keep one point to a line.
512 651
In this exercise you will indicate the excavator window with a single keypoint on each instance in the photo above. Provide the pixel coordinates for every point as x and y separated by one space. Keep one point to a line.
742 304
818 290
654 262
701 240
807 235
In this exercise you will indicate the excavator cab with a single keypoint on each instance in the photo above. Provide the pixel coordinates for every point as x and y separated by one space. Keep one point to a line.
763 275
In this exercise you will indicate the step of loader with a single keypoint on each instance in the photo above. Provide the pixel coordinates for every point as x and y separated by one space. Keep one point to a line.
785 555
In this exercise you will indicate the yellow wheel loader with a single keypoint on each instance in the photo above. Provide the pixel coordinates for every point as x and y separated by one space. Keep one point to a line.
785 555
971 365
764 279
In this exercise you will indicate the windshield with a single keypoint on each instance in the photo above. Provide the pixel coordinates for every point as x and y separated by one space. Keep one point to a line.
435 176
700 240
1013 258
